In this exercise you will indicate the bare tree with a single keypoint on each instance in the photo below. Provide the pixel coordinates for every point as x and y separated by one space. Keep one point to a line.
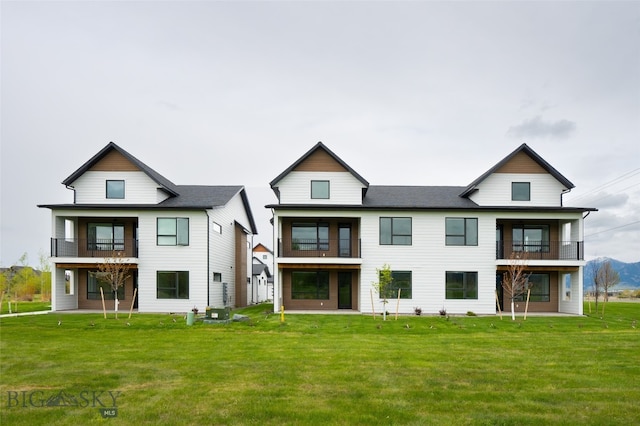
515 280
596 288
605 278
115 272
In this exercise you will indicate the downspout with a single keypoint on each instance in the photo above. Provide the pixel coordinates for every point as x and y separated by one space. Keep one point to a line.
208 260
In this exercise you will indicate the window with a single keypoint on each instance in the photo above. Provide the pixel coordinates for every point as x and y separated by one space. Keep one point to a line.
217 277
400 280
566 294
310 236
320 189
310 285
531 238
69 285
539 286
105 236
520 191
115 189
461 231
95 282
173 284
461 285
173 231
216 228
395 231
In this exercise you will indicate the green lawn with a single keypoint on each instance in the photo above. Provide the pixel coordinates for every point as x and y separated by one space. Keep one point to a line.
323 369
22 307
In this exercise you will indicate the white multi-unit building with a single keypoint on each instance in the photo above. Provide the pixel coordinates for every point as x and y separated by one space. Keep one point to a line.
187 246
447 246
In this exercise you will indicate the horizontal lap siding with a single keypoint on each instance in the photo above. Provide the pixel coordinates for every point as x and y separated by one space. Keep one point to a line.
495 190
344 188
428 258
154 258
90 188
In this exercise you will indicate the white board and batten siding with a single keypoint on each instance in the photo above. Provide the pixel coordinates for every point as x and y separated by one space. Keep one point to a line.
154 258
495 190
139 188
344 188
429 258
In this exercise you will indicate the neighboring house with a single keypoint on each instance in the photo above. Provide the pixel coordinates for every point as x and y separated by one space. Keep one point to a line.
447 246
261 288
187 245
263 254
262 267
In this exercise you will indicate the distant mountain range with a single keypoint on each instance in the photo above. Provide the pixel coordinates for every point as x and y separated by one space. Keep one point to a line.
629 273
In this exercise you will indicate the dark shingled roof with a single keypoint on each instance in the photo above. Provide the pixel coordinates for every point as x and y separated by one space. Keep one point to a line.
258 268
201 196
416 197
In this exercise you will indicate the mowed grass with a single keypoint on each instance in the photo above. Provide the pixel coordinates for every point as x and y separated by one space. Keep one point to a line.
323 369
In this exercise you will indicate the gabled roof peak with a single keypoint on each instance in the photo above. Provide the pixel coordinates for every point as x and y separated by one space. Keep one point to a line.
526 149
316 147
165 183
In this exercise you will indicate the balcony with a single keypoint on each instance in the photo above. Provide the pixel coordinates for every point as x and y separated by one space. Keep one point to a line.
65 247
541 250
319 248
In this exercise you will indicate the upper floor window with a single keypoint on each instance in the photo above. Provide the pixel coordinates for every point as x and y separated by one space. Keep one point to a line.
105 236
461 231
320 189
461 285
395 231
173 231
310 236
531 238
520 191
115 189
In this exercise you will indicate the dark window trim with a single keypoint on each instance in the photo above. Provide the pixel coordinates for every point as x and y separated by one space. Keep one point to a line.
180 239
107 189
176 287
394 234
464 288
315 197
464 234
513 198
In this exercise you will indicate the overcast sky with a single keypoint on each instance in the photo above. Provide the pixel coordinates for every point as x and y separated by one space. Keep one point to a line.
407 93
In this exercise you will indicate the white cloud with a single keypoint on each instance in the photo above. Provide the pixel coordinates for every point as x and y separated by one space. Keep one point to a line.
538 128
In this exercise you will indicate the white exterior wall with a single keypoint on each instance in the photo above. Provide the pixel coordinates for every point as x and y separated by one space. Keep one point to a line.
344 188
61 301
154 258
495 190
139 188
428 258
222 250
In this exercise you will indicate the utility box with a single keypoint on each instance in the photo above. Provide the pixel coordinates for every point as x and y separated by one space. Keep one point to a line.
219 314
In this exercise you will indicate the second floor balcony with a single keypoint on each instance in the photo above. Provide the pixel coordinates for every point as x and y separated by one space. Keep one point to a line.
541 250
74 247
345 248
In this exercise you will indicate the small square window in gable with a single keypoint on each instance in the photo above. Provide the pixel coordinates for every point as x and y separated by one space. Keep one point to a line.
520 191
320 189
115 189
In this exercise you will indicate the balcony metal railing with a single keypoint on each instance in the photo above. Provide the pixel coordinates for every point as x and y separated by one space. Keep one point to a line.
541 250
319 248
65 247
